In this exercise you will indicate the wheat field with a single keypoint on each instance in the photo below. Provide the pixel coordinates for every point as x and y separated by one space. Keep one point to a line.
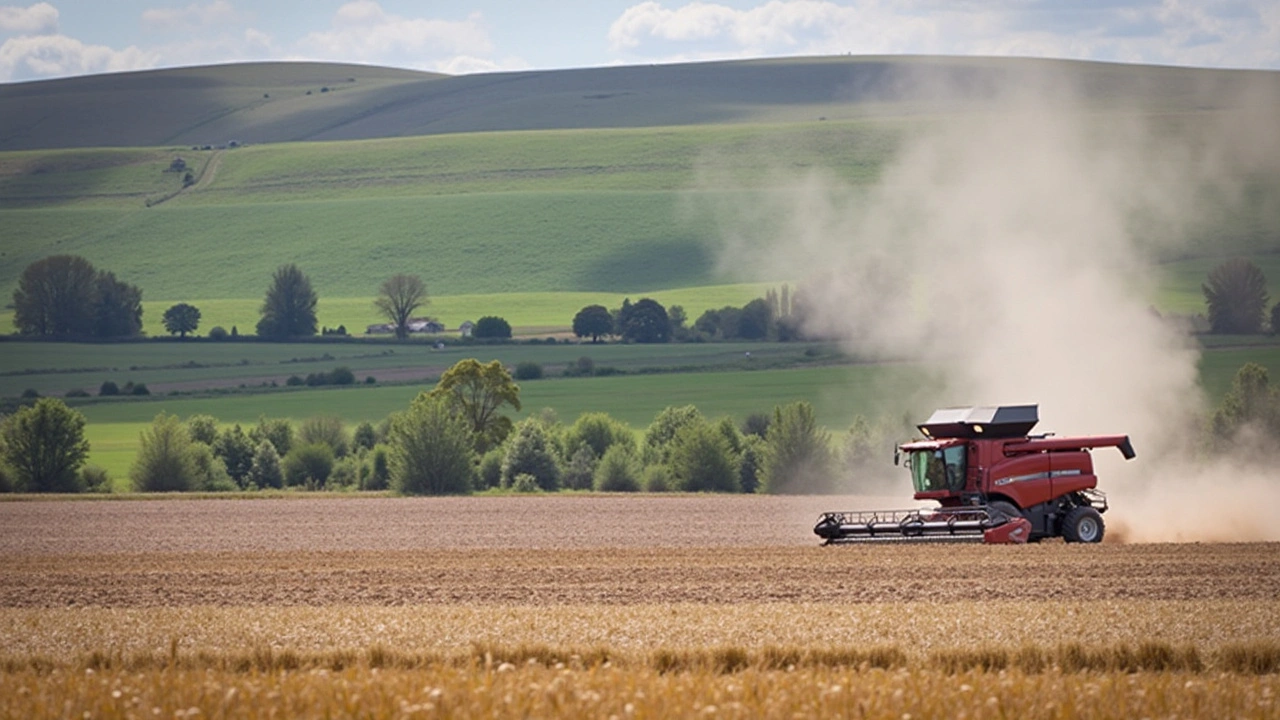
598 606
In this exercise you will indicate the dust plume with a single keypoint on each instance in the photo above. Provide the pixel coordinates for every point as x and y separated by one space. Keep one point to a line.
1010 247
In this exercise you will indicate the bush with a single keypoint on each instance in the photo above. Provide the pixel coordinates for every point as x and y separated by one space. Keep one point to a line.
279 432
756 424
749 461
6 481
528 370
217 332
166 461
236 451
618 471
489 472
701 460
669 422
579 473
342 375
139 389
528 451
77 393
431 450
327 430
30 394
377 475
95 479
265 471
657 478
796 458
108 388
599 432
203 429
370 380
294 381
345 475
365 436
525 483
211 474
491 326
583 367
308 466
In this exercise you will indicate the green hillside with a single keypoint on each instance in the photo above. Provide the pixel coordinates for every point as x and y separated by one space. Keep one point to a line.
287 102
604 204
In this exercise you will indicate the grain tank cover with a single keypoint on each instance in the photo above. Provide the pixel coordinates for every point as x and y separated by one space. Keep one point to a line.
1004 421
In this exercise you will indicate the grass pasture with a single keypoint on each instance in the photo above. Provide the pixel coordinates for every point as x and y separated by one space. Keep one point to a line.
641 606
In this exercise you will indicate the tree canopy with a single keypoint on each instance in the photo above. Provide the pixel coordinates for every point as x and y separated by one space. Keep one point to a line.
491 326
66 295
181 319
398 297
44 445
477 392
645 322
431 449
593 321
289 309
1236 293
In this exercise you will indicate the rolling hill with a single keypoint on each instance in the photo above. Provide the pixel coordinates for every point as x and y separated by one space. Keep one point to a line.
557 183
290 102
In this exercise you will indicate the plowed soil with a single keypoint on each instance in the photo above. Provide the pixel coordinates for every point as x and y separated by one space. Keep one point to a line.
557 550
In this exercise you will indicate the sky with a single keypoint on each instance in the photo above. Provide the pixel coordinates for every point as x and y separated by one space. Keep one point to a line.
75 37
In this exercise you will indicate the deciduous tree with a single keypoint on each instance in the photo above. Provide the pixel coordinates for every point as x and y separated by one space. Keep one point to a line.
477 392
181 319
399 296
55 297
491 326
646 322
289 309
117 307
44 445
593 321
797 458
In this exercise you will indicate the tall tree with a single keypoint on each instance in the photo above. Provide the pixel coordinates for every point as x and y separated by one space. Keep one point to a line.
797 458
44 445
398 297
117 307
593 321
55 297
182 319
431 450
1236 294
477 392
289 309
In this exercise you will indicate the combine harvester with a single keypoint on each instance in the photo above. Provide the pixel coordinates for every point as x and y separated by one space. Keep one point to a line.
995 482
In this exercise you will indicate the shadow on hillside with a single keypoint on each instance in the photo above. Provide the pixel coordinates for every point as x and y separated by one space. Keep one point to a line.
664 264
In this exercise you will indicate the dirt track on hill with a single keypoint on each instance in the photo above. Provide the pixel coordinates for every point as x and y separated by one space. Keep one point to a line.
558 550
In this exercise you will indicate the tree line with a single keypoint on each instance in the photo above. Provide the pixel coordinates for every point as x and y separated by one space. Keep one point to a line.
456 438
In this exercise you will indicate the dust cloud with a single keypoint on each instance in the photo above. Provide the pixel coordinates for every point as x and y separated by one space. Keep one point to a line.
1011 247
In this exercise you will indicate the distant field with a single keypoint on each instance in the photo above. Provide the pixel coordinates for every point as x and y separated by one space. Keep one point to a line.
838 393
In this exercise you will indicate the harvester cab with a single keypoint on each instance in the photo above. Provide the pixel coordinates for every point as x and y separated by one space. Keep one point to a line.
993 481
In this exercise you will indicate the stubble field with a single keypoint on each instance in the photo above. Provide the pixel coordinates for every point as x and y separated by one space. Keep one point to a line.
592 606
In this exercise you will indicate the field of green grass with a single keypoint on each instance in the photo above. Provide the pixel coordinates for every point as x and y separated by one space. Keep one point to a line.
838 393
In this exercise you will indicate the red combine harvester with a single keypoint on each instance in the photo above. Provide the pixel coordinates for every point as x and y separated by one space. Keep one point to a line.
995 483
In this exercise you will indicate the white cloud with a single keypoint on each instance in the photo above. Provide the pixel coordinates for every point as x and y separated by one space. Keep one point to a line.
363 32
1234 33
219 12
38 19
56 55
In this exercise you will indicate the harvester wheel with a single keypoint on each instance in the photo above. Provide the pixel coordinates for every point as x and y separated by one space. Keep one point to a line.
1083 524
1006 509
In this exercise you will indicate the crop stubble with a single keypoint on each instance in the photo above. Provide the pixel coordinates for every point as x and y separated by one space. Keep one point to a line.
637 576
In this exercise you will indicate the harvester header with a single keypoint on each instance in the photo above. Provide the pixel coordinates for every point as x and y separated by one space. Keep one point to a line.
993 481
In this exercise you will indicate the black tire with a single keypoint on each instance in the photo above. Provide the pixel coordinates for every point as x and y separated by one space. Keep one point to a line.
1007 509
1083 524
